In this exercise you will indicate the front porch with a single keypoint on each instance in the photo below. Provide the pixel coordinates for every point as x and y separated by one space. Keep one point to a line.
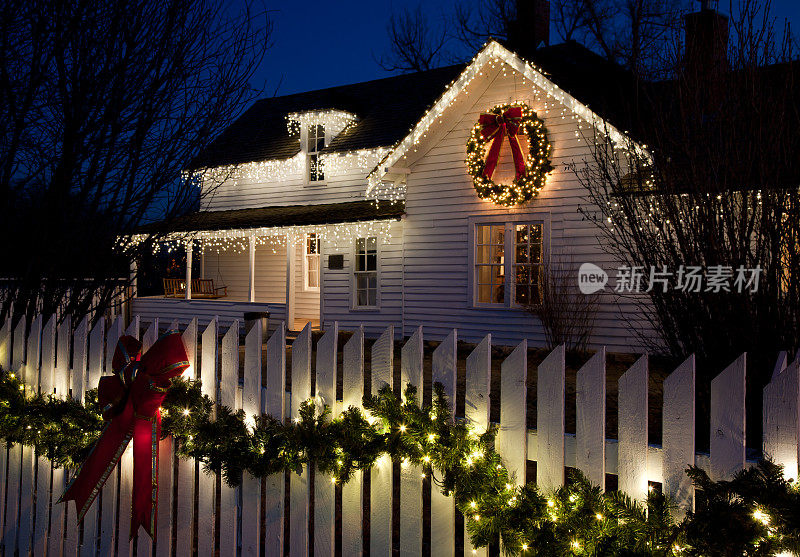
262 260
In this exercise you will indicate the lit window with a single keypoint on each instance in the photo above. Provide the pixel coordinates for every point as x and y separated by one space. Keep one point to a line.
311 262
521 284
315 144
527 263
366 272
490 244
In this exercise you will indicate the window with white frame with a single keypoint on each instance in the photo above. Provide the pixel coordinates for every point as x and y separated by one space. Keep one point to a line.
500 281
315 143
366 272
311 262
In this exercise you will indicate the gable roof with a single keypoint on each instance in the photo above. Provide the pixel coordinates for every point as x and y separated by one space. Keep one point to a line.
388 108
269 217
495 51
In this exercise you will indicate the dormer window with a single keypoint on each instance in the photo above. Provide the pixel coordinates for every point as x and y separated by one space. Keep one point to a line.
315 144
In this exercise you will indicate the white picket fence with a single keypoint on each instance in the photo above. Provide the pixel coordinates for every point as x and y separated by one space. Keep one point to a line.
32 523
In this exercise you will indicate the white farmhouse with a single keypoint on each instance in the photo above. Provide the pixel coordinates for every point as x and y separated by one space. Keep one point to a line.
354 204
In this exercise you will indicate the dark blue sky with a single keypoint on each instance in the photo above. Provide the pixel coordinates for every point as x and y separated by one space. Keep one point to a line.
320 44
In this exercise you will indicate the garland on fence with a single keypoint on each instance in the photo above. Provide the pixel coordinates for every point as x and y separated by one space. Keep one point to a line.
757 513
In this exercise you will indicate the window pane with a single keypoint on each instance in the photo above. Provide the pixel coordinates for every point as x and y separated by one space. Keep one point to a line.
523 295
522 233
373 281
362 298
522 253
484 274
498 294
373 297
360 243
372 262
372 244
523 274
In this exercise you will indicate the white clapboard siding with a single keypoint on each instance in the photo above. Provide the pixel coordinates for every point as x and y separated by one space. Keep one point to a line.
477 405
251 404
550 410
781 412
274 405
324 484
108 501
410 476
443 507
353 491
207 482
228 498
44 467
382 366
299 483
678 435
590 418
728 420
186 468
632 424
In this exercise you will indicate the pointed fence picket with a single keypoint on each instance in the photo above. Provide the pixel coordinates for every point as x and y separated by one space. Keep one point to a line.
33 522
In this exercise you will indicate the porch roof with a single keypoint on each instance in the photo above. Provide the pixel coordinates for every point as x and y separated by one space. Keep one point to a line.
291 215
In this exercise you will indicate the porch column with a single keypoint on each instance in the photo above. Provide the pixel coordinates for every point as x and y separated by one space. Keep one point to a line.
189 270
290 283
252 296
134 278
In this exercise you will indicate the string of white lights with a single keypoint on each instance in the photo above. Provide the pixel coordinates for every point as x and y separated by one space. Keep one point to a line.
333 120
237 240
491 56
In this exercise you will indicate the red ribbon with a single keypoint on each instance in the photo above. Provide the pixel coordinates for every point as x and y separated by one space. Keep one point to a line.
496 126
131 399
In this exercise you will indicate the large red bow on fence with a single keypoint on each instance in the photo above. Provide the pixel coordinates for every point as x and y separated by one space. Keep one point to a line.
496 126
130 399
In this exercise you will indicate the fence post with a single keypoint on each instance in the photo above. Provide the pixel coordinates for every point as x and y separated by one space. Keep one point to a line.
324 484
549 421
251 404
229 382
632 428
781 435
353 491
207 482
381 473
44 466
275 407
78 380
678 436
30 375
728 420
590 419
477 404
57 537
186 467
410 477
108 498
443 507
299 483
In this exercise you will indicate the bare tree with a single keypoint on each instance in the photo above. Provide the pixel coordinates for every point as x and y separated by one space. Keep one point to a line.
718 189
415 42
567 315
102 105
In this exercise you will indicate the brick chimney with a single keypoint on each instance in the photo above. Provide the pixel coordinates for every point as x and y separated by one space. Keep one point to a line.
531 28
706 41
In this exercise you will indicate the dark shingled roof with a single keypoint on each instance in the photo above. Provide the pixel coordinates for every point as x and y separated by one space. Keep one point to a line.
292 215
388 108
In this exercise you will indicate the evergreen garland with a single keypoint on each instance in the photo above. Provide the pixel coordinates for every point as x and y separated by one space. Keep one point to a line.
757 513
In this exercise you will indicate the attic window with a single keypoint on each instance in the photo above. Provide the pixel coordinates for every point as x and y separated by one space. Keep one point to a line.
315 142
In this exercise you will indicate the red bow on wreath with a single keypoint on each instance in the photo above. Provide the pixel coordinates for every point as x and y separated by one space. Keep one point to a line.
130 399
496 126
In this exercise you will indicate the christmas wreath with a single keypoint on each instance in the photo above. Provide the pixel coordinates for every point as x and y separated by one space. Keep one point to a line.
509 120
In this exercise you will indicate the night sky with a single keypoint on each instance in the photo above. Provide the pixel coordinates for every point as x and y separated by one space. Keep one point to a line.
320 44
